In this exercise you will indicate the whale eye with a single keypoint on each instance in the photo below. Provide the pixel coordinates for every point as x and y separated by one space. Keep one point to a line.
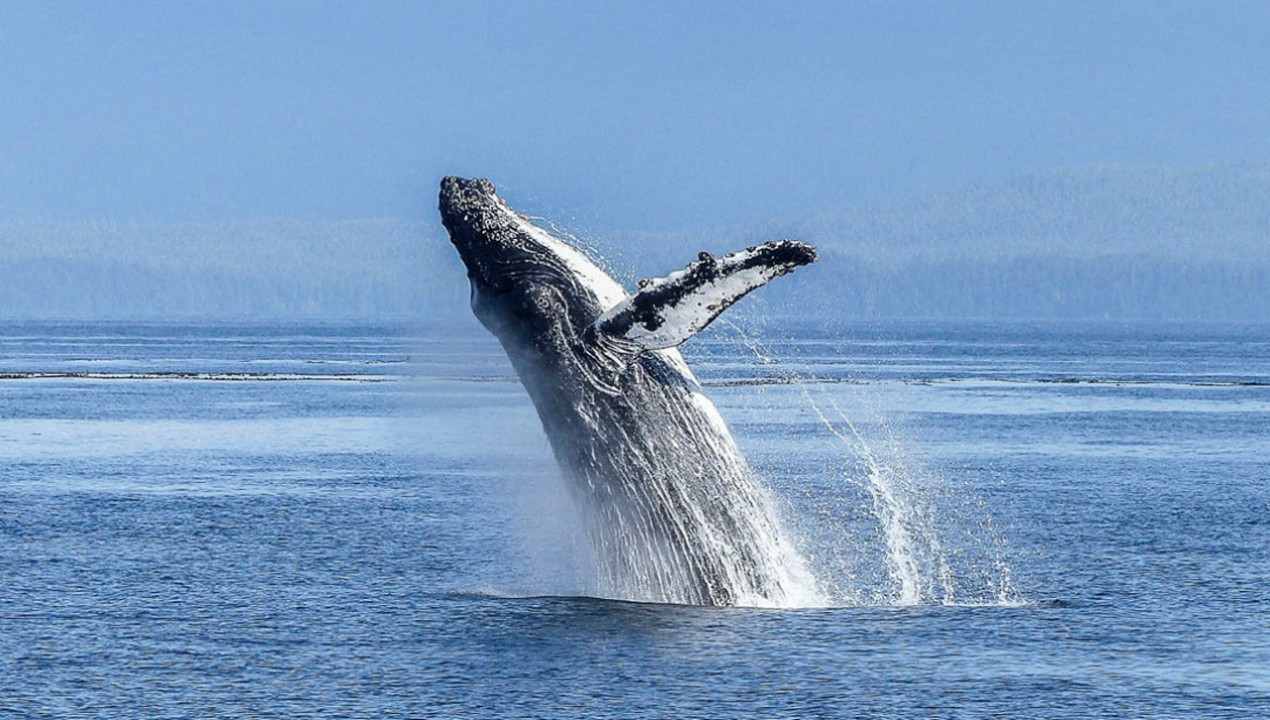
502 285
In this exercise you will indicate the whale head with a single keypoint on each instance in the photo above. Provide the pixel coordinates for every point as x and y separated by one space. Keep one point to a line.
525 283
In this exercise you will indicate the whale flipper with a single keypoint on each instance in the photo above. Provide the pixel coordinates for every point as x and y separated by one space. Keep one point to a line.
667 311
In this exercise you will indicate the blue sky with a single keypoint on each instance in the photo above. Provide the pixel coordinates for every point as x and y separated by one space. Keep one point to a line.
639 116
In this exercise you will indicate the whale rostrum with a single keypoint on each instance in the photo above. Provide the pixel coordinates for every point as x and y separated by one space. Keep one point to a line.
673 511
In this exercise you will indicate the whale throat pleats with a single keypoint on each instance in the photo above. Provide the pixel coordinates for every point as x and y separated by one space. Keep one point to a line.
667 311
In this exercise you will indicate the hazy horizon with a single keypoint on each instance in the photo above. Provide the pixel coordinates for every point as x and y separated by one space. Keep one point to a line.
1119 243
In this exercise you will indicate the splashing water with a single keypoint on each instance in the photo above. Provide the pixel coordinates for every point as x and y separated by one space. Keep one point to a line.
679 517
894 515
914 512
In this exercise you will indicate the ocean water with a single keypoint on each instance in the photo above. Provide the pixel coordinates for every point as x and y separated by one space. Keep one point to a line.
354 520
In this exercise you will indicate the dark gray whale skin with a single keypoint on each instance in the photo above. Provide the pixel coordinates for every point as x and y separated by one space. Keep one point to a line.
672 509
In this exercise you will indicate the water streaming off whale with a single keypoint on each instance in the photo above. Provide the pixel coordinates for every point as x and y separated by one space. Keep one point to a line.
900 532
678 516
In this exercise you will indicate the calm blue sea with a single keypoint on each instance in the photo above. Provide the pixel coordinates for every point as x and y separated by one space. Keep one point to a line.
364 521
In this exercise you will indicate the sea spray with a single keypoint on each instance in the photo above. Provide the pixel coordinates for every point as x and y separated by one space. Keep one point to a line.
697 511
933 543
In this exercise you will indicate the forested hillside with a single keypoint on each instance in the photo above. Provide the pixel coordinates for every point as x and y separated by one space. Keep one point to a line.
1103 242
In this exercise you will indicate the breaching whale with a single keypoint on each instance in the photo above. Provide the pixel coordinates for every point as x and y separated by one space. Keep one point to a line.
673 511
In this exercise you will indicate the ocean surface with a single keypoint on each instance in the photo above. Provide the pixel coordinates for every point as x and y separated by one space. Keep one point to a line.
364 521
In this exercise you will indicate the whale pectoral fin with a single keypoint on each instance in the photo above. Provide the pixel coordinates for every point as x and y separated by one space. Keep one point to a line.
667 311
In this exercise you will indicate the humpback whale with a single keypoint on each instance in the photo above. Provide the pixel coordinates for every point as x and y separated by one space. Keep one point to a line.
673 511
